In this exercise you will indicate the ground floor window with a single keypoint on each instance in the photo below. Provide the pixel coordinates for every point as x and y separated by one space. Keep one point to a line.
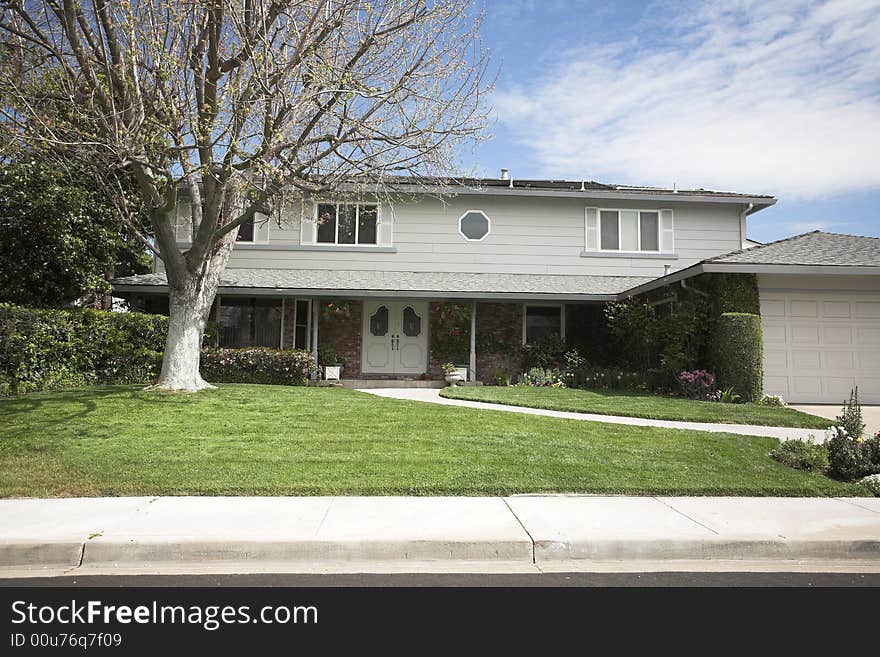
250 322
540 322
302 317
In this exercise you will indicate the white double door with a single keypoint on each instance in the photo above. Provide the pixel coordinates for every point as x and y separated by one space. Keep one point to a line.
395 337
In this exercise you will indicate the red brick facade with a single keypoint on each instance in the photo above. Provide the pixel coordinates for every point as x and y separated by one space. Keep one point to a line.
339 324
499 339
499 336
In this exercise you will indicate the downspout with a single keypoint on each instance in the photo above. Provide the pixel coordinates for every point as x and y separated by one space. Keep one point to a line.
742 225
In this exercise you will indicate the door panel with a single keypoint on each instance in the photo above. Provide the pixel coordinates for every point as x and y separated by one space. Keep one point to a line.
819 344
395 337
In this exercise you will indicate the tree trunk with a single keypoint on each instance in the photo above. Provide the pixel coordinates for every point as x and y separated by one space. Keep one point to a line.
188 314
189 306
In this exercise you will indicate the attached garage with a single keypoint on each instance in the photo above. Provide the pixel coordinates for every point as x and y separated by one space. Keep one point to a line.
821 337
820 313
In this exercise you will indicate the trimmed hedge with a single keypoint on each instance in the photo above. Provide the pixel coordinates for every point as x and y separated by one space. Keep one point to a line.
45 349
258 365
738 354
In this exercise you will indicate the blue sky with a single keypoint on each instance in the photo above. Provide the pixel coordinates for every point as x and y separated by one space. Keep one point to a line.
777 97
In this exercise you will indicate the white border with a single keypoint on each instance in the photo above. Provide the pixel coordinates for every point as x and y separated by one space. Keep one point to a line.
488 225
638 230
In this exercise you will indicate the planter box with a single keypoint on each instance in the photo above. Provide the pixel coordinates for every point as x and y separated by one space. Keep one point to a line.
332 372
463 371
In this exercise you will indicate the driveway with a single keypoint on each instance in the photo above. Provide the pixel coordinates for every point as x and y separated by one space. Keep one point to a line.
870 415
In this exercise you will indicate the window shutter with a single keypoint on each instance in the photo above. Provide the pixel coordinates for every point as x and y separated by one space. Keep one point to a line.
384 226
667 233
261 227
591 229
307 226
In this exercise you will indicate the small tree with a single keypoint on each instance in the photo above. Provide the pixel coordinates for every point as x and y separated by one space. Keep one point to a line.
850 417
59 238
236 103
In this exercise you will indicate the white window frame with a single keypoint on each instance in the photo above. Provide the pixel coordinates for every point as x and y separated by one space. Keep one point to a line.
253 239
488 225
638 230
525 313
357 222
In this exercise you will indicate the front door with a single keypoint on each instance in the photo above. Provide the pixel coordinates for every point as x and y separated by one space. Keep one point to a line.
395 337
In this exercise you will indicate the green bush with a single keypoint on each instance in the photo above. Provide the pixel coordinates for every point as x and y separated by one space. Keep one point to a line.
850 417
738 354
852 458
802 455
547 353
258 365
43 349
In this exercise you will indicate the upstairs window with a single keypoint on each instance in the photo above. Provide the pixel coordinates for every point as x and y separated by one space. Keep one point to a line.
474 225
629 230
246 231
344 223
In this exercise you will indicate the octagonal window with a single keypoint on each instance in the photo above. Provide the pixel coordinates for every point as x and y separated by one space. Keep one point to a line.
473 225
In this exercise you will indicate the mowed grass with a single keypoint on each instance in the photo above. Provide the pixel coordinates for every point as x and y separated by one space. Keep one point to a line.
273 440
631 404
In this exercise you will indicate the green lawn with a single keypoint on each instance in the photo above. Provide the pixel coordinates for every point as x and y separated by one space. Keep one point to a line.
632 404
273 440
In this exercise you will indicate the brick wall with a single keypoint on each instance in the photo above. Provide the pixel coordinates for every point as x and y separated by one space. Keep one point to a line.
339 324
499 338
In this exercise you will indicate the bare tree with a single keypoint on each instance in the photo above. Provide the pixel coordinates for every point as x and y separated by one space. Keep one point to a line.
234 102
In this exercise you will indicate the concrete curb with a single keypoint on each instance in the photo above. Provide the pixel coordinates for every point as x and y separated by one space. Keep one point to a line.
40 553
138 552
527 530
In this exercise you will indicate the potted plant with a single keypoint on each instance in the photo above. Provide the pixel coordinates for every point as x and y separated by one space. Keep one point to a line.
452 374
330 362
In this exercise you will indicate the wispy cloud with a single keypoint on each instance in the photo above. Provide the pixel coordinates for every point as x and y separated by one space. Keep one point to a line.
780 97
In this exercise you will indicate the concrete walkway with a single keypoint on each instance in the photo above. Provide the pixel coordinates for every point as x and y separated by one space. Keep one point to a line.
244 534
870 414
433 396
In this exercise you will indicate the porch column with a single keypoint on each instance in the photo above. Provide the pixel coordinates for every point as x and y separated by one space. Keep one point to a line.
472 369
315 310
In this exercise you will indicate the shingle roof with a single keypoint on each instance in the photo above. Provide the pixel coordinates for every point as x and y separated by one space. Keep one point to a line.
816 248
439 284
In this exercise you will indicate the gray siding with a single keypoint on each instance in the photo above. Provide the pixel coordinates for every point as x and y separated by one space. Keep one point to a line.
528 235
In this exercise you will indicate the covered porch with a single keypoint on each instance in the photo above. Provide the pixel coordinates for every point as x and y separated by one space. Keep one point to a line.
398 325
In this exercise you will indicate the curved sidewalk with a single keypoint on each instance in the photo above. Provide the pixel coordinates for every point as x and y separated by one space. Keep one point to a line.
432 395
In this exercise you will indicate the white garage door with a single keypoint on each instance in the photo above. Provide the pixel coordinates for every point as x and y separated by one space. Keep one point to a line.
819 344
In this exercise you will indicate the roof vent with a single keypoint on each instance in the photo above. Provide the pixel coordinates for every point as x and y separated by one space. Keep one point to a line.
505 174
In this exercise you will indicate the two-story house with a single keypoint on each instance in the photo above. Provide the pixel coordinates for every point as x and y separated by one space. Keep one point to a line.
368 276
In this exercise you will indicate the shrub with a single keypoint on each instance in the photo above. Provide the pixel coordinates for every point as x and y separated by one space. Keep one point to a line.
698 384
802 455
852 458
43 349
548 353
258 365
498 377
738 354
597 378
540 377
327 354
872 483
850 417
772 400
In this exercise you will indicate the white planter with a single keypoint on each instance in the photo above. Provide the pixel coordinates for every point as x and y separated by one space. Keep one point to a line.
332 372
454 378
462 372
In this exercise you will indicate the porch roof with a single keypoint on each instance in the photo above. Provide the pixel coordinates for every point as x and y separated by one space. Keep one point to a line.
433 285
